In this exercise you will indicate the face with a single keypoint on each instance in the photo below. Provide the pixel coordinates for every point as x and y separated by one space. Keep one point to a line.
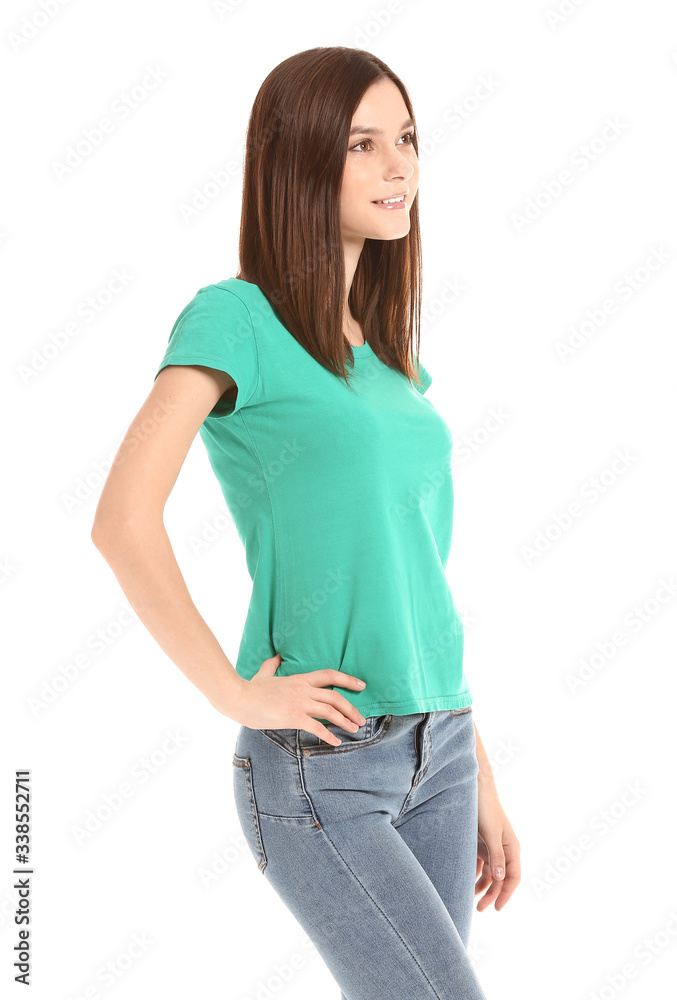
380 162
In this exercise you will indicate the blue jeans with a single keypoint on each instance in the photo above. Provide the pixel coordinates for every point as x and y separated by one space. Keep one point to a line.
372 846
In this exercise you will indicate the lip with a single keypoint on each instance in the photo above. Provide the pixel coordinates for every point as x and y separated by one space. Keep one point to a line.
396 194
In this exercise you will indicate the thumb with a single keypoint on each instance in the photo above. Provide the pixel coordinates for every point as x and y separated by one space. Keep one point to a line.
269 666
497 861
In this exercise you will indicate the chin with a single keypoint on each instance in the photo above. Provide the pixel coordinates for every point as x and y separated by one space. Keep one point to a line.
387 232
390 234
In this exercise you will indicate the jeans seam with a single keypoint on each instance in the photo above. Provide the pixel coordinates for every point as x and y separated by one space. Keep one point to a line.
430 753
384 915
307 796
244 763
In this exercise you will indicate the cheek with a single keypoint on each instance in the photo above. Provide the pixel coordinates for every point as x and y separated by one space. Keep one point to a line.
354 188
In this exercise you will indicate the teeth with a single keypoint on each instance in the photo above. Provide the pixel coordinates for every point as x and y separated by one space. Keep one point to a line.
389 201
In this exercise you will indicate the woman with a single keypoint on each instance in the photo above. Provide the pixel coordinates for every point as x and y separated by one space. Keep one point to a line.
361 784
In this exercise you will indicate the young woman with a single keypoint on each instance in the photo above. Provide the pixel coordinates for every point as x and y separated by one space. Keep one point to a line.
360 781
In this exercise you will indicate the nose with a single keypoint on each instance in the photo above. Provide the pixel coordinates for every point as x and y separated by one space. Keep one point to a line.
402 167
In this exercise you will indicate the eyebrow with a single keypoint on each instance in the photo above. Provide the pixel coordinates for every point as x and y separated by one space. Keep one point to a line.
372 130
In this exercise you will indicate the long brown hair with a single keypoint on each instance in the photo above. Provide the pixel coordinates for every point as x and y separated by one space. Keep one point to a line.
290 231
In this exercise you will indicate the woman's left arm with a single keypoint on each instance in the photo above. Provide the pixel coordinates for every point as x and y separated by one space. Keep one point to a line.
498 849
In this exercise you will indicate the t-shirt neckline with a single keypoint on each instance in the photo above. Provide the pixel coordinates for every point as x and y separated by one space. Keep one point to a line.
361 349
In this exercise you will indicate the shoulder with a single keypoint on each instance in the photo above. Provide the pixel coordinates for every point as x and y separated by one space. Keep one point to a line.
223 309
221 295
248 293
216 315
215 329
233 297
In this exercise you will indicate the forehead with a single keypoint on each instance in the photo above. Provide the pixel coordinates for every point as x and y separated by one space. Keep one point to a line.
382 105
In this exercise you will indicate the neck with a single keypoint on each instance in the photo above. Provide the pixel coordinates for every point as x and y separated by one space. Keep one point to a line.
351 254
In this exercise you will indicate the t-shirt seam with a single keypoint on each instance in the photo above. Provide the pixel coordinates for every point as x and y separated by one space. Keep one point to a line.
280 578
188 355
239 404
280 581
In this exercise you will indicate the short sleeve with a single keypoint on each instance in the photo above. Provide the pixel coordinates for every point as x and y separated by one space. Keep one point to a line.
425 376
216 330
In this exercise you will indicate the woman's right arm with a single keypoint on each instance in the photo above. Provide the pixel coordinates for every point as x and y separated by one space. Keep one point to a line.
129 532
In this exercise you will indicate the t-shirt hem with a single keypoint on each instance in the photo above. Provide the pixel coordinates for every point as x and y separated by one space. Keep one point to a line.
417 705
210 361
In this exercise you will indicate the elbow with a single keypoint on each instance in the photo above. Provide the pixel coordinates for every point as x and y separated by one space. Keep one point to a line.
100 534
111 530
106 528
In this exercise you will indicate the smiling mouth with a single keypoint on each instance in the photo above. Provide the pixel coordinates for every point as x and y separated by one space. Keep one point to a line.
396 204
396 199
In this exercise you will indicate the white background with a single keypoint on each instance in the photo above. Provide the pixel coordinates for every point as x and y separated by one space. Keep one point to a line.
566 754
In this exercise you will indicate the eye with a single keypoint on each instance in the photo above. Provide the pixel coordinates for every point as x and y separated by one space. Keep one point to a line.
407 135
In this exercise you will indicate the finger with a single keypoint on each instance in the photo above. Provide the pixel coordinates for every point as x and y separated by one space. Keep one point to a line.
490 895
513 877
269 666
323 733
340 718
321 678
509 886
513 873
484 882
328 737
336 701
496 858
499 893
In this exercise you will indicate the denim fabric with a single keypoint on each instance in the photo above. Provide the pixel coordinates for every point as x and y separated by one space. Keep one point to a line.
372 845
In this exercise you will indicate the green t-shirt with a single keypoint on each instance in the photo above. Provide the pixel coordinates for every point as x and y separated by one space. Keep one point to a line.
343 499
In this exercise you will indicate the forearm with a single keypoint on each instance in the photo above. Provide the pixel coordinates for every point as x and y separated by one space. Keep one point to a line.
485 777
141 556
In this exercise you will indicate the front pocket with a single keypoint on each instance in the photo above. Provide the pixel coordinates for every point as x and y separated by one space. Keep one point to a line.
301 743
247 811
294 741
372 732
